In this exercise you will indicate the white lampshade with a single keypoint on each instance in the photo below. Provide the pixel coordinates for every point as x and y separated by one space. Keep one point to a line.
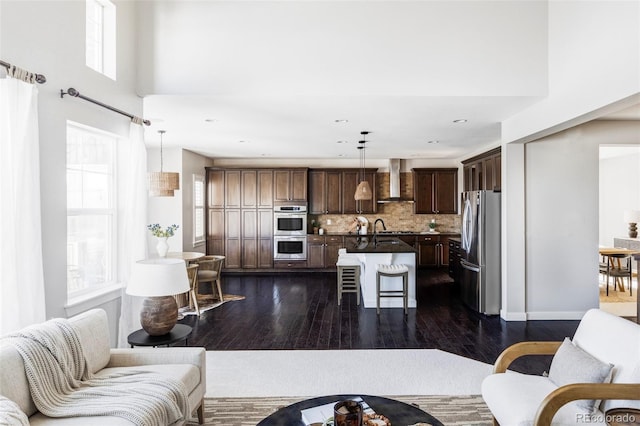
158 277
632 216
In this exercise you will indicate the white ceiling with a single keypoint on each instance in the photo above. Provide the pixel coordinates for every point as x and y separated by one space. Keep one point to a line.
254 79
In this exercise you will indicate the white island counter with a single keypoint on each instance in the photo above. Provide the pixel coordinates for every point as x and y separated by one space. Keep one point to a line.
389 251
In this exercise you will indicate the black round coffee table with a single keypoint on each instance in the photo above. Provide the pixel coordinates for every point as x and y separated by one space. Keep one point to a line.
398 413
142 338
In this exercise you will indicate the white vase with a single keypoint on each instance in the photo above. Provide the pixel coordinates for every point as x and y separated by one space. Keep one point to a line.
162 247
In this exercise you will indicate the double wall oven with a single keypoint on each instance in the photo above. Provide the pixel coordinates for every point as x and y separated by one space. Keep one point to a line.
290 232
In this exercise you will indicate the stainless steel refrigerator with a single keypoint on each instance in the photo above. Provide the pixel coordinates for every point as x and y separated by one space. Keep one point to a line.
480 263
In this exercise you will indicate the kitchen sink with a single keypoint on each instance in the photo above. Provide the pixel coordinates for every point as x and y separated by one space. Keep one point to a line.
387 242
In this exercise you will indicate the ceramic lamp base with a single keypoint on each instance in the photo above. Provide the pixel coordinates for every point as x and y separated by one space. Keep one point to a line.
633 230
158 315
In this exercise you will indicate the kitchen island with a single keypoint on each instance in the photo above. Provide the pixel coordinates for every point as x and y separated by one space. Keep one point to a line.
383 250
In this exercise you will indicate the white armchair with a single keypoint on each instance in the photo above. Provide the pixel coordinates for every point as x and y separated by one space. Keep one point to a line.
522 399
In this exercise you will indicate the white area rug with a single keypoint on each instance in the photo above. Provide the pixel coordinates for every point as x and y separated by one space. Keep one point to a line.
325 372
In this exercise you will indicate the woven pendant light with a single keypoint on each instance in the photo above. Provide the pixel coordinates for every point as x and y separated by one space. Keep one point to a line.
162 184
363 191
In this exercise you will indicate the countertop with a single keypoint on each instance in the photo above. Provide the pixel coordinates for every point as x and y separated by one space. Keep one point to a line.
383 244
386 233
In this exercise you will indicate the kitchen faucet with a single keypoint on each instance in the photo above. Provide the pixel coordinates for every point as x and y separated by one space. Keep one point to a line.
375 228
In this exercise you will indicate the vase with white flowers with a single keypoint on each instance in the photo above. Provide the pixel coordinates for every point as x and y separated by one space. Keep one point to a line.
162 234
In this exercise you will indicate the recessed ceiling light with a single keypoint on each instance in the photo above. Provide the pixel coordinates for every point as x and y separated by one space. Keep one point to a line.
210 120
342 142
341 120
433 141
460 120
340 155
243 141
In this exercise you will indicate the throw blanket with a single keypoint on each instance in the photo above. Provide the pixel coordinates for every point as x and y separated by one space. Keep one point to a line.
11 414
62 386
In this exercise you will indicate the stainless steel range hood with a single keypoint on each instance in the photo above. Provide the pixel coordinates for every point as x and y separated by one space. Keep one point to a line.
394 184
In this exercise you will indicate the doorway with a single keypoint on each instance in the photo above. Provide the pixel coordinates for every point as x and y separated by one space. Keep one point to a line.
619 190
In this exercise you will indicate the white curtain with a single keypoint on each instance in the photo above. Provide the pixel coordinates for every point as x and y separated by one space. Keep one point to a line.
132 214
22 299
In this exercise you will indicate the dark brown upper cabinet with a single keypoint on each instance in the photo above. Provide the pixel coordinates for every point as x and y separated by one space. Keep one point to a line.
435 191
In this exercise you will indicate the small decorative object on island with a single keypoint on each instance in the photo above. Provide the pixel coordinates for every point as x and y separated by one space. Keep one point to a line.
162 235
632 217
158 280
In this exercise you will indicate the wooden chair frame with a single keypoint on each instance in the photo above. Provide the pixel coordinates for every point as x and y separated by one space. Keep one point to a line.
564 394
212 263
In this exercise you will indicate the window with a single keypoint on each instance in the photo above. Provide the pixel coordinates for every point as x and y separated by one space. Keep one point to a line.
198 209
91 209
101 37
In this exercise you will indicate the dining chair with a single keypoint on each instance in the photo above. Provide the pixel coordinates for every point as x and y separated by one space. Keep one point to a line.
209 271
603 266
192 274
620 268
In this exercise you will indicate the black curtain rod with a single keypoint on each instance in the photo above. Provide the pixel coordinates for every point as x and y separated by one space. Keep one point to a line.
73 92
38 77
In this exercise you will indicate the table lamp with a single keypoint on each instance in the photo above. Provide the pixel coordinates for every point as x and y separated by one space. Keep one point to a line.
632 217
158 280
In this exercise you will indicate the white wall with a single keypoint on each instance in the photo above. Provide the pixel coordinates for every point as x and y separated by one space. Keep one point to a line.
562 218
593 68
179 208
513 238
48 37
619 191
166 211
446 48
594 61
192 163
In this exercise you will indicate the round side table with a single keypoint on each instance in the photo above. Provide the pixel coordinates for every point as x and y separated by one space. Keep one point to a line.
142 338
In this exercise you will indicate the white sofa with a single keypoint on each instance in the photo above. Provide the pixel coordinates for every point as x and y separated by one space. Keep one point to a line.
186 364
517 399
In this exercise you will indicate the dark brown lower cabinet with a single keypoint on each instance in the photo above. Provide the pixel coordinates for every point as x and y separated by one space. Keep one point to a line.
289 264
454 260
322 251
433 251
333 245
315 251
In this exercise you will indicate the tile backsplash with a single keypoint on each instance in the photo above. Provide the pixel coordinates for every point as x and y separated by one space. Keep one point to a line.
397 216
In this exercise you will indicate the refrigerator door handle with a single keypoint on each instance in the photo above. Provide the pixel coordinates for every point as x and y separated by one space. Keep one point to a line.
467 225
469 266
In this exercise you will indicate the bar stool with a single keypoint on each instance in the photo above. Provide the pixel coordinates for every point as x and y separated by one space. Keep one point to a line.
393 271
348 276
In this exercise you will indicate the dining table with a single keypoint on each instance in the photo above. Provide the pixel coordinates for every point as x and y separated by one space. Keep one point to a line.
635 254
608 252
187 256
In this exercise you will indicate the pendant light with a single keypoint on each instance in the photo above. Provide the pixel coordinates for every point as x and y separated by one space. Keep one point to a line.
363 191
162 184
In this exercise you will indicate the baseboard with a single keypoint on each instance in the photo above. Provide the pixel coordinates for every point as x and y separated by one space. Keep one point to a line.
555 315
513 316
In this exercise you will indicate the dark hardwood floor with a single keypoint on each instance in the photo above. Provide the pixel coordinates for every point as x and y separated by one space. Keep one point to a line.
300 311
